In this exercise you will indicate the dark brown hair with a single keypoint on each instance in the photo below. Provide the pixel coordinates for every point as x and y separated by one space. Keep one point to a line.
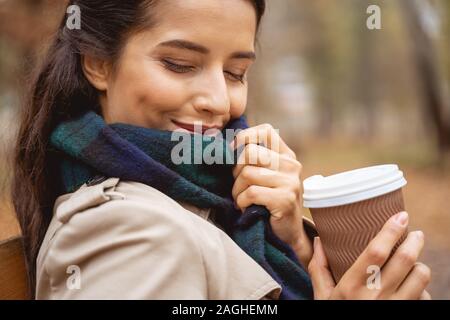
59 91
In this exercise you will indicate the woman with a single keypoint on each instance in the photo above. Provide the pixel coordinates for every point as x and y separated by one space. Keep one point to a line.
105 212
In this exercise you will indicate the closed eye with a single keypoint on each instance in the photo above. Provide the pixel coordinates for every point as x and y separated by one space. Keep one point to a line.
179 68
238 77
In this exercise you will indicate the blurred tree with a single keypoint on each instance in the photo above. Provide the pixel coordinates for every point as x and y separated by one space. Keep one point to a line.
364 84
425 56
320 54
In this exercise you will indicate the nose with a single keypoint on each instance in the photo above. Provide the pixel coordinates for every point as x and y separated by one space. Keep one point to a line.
213 96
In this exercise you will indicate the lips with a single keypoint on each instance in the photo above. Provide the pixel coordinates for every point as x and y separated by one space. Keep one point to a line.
191 127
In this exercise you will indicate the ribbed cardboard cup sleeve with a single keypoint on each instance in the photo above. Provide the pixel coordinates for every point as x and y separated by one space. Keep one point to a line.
346 230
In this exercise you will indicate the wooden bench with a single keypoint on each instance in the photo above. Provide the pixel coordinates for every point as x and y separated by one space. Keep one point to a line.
13 279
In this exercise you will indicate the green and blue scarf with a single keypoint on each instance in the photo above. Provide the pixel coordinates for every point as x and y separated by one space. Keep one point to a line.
87 147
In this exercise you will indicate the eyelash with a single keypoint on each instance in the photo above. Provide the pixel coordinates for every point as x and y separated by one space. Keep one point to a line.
178 68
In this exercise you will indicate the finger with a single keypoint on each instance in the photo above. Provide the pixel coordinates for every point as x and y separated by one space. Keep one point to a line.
380 248
271 198
253 195
321 278
403 260
415 283
252 175
260 156
256 155
263 134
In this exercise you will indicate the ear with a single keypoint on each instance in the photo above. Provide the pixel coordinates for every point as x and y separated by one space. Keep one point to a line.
97 71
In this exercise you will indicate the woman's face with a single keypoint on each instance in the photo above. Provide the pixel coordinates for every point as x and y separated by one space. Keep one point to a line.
191 67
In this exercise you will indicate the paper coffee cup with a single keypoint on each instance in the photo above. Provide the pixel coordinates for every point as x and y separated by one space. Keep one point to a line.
350 208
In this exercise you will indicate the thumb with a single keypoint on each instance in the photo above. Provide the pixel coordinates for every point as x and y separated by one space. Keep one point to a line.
322 280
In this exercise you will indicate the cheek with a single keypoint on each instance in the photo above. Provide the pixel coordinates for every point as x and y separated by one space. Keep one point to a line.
238 102
145 91
156 96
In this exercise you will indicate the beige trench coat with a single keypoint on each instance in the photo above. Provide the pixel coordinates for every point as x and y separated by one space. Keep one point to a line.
126 240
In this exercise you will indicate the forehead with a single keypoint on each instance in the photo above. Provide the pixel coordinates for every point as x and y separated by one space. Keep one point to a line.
209 22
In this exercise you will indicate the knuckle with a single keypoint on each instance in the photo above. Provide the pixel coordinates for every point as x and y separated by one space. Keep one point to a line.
252 192
423 273
406 256
377 254
248 149
239 199
251 152
246 173
291 197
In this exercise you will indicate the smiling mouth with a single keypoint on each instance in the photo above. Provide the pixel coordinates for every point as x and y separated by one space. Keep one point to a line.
198 128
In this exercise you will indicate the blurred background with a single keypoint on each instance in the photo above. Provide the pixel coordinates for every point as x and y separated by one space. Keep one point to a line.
342 96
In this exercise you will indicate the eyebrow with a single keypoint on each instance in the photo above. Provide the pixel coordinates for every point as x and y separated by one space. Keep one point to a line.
188 45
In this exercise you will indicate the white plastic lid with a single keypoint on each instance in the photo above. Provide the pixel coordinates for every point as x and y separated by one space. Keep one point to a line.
351 186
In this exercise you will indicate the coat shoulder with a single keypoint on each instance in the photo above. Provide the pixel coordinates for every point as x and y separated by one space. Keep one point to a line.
107 196
112 226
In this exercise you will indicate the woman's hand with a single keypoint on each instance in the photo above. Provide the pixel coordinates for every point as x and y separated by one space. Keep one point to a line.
269 175
401 277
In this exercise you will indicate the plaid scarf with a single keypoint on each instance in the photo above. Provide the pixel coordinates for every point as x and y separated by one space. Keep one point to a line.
87 146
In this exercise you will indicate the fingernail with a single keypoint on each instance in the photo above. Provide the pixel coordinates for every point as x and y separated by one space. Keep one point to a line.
402 218
419 234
